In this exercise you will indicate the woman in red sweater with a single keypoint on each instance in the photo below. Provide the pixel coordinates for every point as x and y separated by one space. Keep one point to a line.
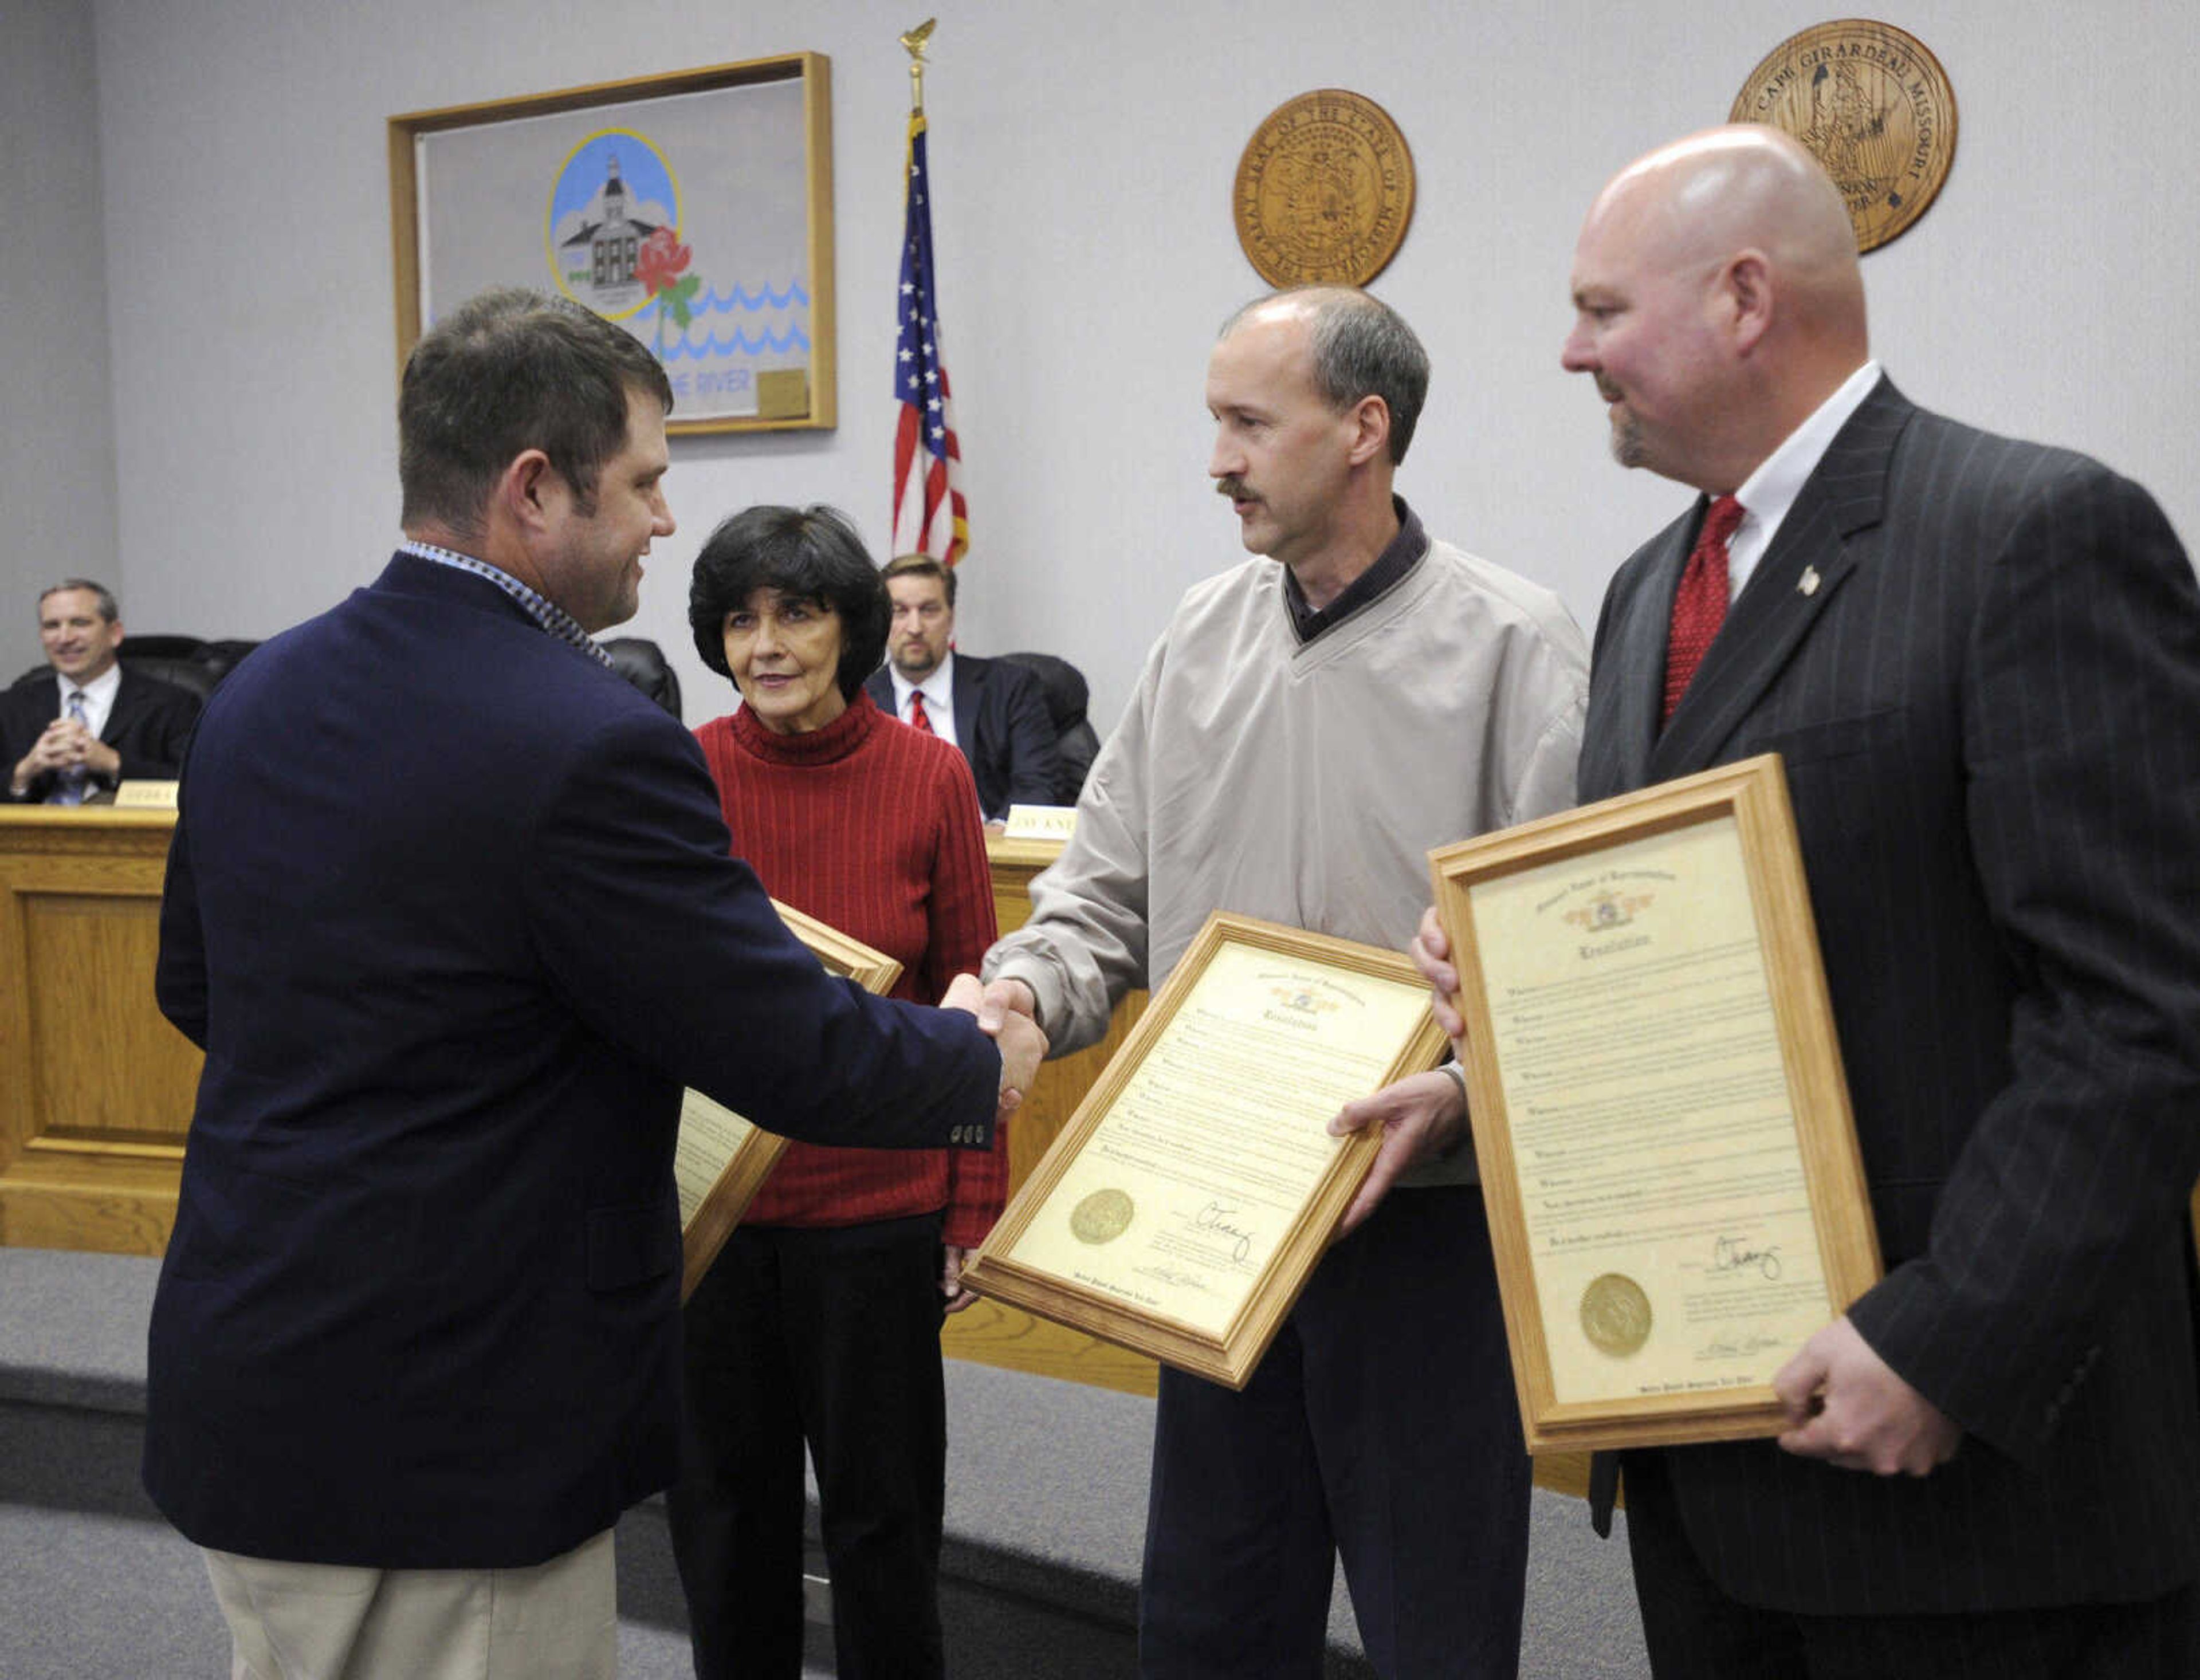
820 1320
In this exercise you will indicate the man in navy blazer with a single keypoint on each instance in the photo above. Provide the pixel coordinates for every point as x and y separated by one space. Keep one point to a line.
994 711
451 955
87 724
1979 661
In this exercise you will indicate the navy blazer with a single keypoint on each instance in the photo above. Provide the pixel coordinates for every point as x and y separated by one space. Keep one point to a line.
1980 660
453 950
1002 727
147 725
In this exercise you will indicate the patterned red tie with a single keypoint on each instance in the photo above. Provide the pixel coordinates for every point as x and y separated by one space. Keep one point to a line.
917 720
1700 603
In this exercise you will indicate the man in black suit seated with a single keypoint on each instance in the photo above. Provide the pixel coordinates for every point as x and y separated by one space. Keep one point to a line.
90 723
993 710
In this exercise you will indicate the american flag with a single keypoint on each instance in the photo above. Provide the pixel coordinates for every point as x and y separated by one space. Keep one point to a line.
930 516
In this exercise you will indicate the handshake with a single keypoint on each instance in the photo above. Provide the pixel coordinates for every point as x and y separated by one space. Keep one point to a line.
1004 1011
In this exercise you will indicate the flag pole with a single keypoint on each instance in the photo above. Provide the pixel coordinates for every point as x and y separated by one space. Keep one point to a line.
931 516
914 41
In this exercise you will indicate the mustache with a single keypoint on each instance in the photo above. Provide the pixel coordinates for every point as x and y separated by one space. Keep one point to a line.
1236 488
1608 392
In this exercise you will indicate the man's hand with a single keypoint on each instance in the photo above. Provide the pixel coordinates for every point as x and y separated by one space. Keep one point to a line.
1432 954
1003 998
1023 1047
951 1278
67 745
1421 1116
1845 1405
58 747
1009 1024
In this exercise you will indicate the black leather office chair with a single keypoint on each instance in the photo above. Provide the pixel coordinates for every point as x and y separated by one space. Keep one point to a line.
219 657
191 674
641 662
162 647
1067 695
185 661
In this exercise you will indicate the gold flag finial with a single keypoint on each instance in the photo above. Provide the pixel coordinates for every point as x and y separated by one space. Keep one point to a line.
915 40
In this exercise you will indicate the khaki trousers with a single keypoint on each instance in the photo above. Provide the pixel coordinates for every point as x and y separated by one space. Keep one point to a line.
313 1621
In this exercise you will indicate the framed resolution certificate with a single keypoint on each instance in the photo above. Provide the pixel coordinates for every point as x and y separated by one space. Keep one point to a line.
1671 1166
1182 1207
721 1160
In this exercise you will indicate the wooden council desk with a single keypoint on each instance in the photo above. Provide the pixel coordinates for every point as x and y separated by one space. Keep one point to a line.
96 1088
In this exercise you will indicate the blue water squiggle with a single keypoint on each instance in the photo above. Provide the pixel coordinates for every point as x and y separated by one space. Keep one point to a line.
741 344
719 302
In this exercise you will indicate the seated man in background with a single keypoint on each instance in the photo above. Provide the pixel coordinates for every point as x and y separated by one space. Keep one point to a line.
90 723
990 709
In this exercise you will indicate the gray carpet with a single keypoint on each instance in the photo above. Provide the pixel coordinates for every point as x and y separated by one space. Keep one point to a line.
1046 1486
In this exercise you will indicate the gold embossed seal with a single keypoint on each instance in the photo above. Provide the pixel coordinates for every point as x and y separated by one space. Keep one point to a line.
1325 191
1102 1217
1874 105
1615 1313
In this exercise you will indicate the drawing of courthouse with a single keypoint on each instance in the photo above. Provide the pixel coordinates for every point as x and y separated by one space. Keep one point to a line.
610 245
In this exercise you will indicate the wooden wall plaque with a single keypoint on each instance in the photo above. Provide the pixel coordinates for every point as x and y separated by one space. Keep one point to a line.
1872 105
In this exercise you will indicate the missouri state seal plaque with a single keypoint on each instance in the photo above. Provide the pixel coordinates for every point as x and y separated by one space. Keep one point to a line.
1325 191
1874 105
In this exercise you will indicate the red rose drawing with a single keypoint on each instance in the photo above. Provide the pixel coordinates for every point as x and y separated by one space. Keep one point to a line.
661 260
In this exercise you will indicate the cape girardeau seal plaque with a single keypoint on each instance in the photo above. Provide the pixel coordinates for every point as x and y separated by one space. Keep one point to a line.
1325 191
1875 108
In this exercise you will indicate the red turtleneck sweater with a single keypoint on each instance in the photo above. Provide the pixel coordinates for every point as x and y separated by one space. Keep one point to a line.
872 828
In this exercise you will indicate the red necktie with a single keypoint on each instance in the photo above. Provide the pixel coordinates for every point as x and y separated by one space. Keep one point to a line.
1700 603
917 720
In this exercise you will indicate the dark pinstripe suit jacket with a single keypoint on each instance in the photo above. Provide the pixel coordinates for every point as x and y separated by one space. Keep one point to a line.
1989 707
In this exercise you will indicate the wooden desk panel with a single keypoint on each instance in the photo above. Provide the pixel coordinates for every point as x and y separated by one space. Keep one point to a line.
96 1088
100 1087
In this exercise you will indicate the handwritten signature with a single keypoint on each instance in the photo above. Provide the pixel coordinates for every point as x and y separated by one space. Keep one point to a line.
1726 1345
1215 1217
1734 1254
1173 1278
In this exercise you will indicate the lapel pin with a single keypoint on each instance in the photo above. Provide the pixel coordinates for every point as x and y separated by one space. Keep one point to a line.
1808 583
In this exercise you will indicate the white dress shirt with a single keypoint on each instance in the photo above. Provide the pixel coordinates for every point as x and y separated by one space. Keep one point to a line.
98 697
1767 494
939 692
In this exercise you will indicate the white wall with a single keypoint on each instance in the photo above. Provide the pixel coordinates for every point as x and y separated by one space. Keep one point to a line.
57 442
1083 157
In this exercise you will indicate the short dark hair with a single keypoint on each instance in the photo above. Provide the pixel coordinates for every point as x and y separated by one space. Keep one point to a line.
105 597
812 554
509 370
1361 348
922 565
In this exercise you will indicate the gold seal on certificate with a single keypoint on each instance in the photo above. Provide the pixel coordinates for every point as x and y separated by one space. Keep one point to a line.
1102 1217
1615 1314
1675 1200
1181 1209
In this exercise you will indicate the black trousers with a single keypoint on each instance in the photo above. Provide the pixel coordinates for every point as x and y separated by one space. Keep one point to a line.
1382 1424
830 1337
1693 1628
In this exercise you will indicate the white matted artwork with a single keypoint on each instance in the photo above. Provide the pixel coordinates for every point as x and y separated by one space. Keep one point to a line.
694 210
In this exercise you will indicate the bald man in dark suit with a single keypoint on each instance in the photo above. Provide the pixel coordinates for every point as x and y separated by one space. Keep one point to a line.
1979 661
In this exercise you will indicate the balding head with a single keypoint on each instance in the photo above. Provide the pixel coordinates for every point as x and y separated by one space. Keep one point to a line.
1718 301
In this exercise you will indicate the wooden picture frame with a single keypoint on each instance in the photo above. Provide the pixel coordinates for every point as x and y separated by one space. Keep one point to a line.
1204 1142
694 207
723 1160
1668 1156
